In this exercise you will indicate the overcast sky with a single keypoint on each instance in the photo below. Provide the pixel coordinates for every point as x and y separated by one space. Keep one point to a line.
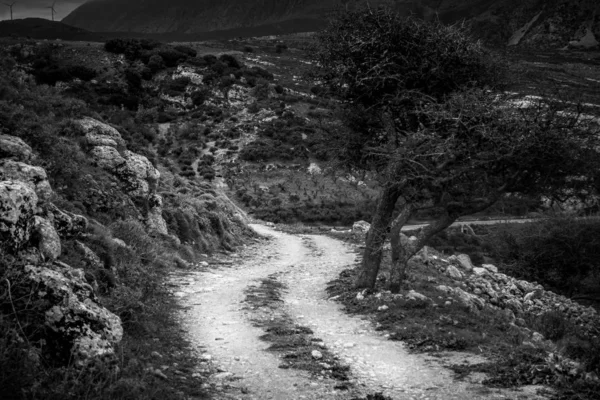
37 8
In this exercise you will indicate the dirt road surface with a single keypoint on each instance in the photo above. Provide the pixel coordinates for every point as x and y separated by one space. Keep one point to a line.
218 322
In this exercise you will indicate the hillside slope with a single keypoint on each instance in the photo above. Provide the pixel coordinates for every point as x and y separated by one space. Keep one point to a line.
530 22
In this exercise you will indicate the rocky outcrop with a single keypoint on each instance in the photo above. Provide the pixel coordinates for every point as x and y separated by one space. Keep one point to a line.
98 133
46 238
67 224
77 327
139 178
154 219
80 327
14 148
35 177
18 203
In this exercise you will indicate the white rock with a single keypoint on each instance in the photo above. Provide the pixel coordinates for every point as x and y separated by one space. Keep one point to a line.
412 295
361 227
464 262
490 267
35 177
453 272
382 308
316 354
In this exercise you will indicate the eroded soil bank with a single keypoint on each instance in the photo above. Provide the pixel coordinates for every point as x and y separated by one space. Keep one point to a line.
220 324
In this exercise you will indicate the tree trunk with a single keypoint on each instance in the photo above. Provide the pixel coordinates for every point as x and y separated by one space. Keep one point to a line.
401 254
376 237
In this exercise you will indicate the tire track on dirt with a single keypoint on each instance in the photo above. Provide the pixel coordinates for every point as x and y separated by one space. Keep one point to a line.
217 320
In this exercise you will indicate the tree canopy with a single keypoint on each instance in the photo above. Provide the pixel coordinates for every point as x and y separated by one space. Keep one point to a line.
421 112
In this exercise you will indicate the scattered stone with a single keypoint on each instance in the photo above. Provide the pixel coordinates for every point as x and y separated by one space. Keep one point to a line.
316 354
453 272
492 268
412 295
382 308
361 227
158 373
464 261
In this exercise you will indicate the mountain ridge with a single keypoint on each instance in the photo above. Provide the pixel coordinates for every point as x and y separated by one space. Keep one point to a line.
559 22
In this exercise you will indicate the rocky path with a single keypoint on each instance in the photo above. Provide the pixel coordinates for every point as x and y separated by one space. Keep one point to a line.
218 322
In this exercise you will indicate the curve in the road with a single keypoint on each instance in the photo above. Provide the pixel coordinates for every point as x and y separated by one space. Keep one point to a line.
217 320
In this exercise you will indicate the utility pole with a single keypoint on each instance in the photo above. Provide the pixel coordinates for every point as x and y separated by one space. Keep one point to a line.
52 10
10 5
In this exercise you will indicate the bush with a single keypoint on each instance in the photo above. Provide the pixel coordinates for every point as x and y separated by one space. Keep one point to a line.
248 49
199 97
230 61
188 51
172 57
156 63
561 252
280 47
179 84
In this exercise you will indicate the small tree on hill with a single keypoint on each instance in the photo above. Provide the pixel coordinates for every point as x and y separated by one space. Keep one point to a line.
421 116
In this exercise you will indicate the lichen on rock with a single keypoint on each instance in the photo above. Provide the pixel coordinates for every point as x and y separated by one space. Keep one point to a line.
34 176
18 203
82 329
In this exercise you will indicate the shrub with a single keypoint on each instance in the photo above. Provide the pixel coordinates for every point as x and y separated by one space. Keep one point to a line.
156 63
230 61
248 49
188 51
280 47
561 252
199 96
172 57
179 84
82 72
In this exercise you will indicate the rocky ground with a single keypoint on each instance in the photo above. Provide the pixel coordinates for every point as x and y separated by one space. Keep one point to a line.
222 321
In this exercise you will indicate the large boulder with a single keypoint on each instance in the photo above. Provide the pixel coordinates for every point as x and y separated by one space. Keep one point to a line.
34 176
18 203
79 328
99 134
14 148
45 237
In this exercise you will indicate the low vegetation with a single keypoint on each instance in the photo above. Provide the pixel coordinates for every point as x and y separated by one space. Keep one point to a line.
152 360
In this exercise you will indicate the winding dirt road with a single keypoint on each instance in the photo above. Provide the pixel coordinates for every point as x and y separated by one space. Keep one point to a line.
218 323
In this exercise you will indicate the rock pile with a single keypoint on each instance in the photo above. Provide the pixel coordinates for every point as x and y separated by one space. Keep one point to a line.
484 286
75 327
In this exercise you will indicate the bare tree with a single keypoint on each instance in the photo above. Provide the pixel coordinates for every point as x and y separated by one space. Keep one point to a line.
10 5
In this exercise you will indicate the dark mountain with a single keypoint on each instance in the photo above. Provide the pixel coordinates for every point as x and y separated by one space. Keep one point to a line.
39 28
532 22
